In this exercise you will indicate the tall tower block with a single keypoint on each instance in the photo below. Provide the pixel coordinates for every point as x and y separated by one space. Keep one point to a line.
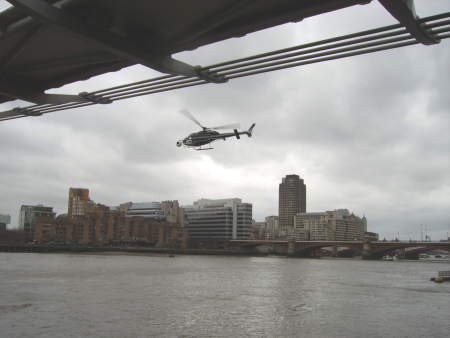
292 200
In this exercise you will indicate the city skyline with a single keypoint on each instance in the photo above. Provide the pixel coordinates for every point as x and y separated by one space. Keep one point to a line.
79 199
367 133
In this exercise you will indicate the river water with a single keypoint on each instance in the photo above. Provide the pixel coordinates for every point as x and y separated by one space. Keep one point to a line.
69 295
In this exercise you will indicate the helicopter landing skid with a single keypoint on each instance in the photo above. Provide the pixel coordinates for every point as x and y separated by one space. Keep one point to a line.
204 149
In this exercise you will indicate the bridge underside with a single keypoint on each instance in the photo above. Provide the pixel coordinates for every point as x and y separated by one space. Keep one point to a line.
49 43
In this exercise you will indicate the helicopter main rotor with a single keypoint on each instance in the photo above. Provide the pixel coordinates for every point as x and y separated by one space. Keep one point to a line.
191 117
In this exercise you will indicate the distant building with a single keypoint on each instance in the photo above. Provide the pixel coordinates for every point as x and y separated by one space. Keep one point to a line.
105 226
30 213
173 212
78 202
336 225
4 221
370 236
292 200
148 210
259 230
272 227
220 219
135 224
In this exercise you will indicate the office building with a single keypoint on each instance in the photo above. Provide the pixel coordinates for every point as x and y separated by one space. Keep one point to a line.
292 200
30 213
221 219
148 210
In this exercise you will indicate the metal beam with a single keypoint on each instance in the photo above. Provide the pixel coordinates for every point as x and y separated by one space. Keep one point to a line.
18 89
10 114
17 48
77 61
49 14
404 11
216 20
43 98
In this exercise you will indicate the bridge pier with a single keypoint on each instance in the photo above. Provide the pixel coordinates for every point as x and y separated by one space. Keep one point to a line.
367 252
334 252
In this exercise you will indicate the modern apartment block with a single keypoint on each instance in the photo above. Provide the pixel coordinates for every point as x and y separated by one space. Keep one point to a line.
336 225
220 219
292 200
78 202
30 213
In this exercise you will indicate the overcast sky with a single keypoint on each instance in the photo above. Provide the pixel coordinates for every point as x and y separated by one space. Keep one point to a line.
368 133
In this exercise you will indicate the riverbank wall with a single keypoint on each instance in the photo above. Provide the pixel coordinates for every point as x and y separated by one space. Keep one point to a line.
137 250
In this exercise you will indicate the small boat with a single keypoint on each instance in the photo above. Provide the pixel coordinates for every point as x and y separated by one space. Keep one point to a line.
443 276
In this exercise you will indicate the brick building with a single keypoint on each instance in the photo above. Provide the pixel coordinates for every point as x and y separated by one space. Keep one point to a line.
102 226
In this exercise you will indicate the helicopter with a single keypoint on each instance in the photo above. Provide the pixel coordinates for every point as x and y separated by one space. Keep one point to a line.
208 135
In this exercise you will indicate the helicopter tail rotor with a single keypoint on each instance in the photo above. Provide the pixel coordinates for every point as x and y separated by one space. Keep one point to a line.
250 130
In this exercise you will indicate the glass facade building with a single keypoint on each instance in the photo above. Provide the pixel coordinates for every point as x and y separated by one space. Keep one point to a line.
219 219
149 210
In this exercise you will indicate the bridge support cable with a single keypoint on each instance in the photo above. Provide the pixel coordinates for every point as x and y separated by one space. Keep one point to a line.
370 41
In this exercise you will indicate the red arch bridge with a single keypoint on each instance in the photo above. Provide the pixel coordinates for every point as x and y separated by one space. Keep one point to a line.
368 250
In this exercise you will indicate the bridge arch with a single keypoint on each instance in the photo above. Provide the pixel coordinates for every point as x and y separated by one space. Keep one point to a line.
302 250
380 249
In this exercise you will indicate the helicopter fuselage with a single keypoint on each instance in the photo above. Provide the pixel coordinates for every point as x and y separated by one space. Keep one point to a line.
201 138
